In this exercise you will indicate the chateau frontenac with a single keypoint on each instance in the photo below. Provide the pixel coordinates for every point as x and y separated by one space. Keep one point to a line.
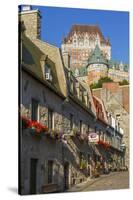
88 55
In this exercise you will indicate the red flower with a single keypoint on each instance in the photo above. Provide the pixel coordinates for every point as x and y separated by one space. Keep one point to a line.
104 144
28 123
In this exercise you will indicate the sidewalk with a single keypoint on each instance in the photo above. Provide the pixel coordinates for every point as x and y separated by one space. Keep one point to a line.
81 186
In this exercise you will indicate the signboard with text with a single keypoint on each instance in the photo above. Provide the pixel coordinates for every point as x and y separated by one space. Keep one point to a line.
93 137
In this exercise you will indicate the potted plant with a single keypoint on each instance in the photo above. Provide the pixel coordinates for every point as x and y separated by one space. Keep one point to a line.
83 164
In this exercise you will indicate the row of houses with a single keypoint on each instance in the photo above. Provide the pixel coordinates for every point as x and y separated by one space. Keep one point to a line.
66 135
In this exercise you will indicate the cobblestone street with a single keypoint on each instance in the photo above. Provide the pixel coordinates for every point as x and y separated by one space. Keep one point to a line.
115 180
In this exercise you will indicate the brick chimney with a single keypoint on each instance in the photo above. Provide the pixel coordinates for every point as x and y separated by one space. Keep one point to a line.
31 19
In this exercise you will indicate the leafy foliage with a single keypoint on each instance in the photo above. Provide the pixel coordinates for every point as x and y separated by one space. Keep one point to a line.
100 82
124 82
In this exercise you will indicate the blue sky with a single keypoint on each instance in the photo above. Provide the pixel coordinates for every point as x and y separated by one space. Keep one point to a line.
56 23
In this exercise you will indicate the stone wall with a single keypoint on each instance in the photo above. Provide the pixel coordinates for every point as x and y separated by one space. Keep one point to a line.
46 148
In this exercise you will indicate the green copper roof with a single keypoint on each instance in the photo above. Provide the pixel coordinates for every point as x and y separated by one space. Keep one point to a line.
97 57
82 71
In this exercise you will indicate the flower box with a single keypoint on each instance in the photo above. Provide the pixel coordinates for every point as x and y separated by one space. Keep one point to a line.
35 126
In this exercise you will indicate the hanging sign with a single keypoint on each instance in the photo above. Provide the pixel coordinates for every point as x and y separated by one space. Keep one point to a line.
93 137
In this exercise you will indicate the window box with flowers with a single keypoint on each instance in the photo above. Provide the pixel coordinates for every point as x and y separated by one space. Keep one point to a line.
104 144
34 126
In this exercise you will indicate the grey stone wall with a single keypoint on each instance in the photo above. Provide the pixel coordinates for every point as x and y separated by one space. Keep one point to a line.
45 149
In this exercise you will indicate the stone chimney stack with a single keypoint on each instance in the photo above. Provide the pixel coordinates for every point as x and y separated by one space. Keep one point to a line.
32 20
66 59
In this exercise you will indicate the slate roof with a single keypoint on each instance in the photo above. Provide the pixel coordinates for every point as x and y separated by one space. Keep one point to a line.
97 57
82 29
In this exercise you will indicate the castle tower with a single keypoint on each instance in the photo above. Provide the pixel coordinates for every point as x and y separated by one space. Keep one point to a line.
81 42
97 66
31 19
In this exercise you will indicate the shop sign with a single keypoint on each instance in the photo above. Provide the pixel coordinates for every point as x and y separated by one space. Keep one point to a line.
93 137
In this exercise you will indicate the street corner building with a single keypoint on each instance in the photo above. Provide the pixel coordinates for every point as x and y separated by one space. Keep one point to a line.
69 133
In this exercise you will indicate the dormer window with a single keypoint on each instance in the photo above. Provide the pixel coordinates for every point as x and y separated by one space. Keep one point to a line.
98 59
48 73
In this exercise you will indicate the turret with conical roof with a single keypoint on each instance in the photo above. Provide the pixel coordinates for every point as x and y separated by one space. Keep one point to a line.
97 57
97 66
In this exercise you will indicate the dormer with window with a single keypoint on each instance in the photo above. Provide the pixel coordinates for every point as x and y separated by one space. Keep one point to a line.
48 72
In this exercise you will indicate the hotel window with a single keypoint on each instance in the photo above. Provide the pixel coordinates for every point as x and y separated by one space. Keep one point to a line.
71 121
50 119
34 110
50 171
91 41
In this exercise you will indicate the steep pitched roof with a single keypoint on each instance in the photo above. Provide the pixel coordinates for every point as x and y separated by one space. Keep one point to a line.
33 62
90 29
97 57
54 54
31 57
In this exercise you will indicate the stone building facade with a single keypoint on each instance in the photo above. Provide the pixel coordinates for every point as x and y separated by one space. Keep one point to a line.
116 101
58 116
80 43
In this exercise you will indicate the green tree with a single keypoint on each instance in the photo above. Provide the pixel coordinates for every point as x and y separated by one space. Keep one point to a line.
100 82
124 82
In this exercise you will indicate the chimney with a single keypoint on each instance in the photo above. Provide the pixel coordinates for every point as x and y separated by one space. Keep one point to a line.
66 59
31 19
